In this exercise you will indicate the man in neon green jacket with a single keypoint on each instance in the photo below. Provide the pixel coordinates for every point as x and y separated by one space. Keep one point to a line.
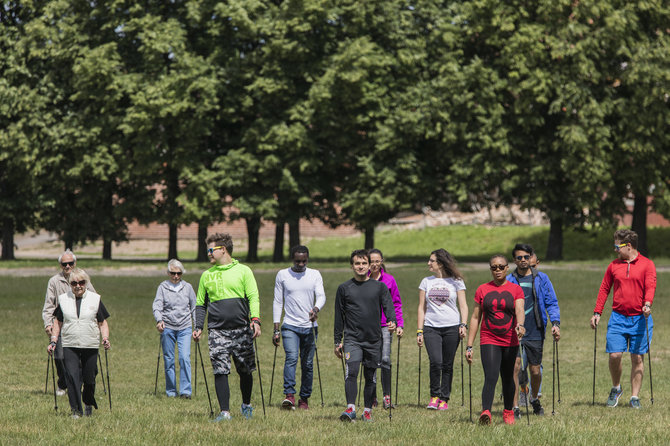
228 291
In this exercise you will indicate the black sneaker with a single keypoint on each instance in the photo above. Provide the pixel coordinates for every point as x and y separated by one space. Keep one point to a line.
537 407
517 413
88 410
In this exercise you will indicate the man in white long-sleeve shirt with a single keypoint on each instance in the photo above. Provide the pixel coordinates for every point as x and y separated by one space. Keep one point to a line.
299 290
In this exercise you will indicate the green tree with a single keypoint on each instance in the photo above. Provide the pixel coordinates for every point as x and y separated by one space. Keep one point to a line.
172 92
23 118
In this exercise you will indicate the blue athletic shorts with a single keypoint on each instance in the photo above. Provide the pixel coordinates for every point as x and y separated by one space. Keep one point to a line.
628 333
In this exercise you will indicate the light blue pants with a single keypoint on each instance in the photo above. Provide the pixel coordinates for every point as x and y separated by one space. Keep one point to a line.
183 340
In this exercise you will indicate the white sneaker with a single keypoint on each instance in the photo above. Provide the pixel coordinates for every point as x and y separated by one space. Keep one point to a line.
61 392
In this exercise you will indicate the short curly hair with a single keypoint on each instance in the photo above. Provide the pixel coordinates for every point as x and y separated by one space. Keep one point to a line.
626 236
221 239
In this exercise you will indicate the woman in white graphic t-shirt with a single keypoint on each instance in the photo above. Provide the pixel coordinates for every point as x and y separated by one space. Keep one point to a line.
441 325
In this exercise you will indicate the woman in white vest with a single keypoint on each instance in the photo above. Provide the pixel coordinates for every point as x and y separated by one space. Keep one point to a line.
80 319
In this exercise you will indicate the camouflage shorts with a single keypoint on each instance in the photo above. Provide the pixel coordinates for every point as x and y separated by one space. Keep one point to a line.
237 343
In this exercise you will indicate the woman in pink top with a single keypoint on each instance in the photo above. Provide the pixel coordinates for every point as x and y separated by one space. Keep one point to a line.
378 272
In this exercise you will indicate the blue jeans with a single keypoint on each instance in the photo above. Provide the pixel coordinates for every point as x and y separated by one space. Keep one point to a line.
298 341
183 340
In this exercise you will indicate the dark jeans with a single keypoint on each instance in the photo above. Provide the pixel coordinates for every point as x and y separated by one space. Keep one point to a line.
441 346
495 360
298 342
81 364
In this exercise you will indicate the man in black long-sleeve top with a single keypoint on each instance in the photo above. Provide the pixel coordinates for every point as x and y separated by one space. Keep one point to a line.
358 304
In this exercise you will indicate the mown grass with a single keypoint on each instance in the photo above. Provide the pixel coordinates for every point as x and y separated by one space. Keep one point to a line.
138 417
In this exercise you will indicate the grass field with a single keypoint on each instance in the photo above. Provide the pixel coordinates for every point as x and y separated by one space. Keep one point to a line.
138 417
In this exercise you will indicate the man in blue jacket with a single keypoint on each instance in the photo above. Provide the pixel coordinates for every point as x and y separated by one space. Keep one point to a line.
540 301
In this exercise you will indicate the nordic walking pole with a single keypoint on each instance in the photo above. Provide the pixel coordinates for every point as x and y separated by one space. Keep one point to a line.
158 361
462 379
104 389
522 355
470 387
260 381
595 339
397 372
46 383
195 377
272 377
553 377
418 397
204 375
391 374
318 369
558 374
109 385
651 380
53 381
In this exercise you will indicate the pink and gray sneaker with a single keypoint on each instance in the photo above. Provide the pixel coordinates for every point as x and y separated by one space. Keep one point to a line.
434 403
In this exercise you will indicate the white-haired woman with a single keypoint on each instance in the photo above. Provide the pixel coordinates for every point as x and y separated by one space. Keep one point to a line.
80 319
174 309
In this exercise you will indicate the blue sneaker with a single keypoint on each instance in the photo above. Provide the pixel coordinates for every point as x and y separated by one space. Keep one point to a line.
223 416
635 402
247 411
348 415
613 399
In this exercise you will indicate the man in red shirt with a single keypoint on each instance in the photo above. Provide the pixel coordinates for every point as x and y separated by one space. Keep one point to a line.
633 277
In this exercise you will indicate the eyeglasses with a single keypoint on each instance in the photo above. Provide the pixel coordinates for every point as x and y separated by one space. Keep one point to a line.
80 283
64 264
498 267
622 245
526 257
175 273
211 250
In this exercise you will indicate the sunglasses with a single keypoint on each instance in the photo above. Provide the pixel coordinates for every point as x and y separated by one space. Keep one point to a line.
618 247
64 264
80 283
498 267
175 273
526 257
211 250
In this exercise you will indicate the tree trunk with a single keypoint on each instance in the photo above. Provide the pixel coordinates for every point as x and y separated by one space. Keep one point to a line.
555 244
202 242
172 244
278 252
640 222
253 228
8 239
68 242
369 237
293 232
106 249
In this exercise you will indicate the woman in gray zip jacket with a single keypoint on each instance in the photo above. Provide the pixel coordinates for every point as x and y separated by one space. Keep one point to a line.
174 309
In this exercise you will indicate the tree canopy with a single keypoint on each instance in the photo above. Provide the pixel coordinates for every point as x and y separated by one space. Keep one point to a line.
341 111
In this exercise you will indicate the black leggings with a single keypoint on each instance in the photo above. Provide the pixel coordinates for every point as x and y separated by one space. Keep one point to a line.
497 359
223 390
351 386
441 346
81 366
